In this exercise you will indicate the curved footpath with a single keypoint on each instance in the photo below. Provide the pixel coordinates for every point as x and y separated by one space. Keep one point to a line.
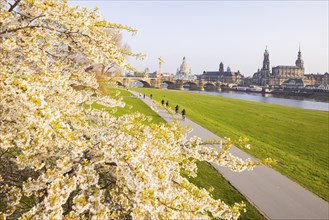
273 194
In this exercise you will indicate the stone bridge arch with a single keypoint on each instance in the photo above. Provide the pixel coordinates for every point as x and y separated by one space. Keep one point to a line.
191 85
210 87
119 83
145 83
171 85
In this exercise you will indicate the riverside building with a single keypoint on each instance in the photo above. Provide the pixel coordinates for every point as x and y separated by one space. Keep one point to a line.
281 74
227 76
287 76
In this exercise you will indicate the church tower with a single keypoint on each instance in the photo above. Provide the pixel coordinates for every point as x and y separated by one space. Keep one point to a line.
221 67
299 61
266 61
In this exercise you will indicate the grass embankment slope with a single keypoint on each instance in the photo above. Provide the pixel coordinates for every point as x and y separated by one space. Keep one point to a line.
207 175
296 138
133 105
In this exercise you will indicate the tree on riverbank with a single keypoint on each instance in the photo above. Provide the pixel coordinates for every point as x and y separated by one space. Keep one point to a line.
62 160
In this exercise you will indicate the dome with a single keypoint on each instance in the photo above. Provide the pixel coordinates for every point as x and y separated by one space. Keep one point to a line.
184 69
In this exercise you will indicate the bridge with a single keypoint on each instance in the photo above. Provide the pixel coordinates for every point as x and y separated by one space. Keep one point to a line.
177 84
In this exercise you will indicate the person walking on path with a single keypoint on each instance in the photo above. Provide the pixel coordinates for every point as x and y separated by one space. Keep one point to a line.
176 109
167 103
183 114
151 96
162 102
144 95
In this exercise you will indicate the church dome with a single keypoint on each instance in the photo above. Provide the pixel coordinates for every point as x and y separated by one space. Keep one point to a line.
184 69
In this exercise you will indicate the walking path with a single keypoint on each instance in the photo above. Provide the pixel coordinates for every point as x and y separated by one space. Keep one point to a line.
273 194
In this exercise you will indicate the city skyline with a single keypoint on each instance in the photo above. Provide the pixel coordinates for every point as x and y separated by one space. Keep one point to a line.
233 32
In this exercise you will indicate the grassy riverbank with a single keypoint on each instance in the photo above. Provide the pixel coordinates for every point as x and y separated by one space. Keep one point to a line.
207 175
133 104
296 138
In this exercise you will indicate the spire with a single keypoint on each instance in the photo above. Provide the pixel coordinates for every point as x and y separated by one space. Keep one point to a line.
221 67
266 51
299 54
299 62
266 61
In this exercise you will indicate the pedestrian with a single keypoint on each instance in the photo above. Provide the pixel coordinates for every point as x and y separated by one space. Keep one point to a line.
176 109
151 96
183 114
162 101
144 96
167 103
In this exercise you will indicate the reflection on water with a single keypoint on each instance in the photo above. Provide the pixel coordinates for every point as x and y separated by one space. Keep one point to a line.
299 102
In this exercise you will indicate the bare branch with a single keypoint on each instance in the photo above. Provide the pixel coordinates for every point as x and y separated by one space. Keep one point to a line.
52 54
14 5
36 18
109 68
20 28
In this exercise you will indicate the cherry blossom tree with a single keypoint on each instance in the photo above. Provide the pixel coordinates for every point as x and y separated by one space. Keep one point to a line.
62 160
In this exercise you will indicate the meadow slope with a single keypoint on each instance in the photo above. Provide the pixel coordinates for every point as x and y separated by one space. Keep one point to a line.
297 138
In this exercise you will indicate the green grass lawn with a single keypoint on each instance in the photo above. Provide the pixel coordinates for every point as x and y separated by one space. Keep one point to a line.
207 175
297 138
133 104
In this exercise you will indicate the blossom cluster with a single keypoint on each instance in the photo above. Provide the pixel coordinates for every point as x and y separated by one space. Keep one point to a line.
87 163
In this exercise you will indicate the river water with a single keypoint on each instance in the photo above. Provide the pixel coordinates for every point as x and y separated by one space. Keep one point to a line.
305 103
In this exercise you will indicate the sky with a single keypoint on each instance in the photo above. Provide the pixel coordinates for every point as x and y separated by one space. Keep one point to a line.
233 32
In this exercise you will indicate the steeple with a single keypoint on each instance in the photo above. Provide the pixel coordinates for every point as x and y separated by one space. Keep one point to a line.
266 61
299 61
221 67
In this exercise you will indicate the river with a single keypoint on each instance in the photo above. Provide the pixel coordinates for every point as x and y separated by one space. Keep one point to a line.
305 103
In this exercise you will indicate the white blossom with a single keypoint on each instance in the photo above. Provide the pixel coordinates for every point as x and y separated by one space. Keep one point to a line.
87 163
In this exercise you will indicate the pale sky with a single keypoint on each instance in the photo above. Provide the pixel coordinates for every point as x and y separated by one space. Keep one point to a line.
233 32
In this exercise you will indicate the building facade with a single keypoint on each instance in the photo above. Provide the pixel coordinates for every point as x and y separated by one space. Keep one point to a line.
227 76
316 79
279 74
287 76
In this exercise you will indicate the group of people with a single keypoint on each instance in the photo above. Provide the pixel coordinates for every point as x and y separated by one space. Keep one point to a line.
163 102
183 112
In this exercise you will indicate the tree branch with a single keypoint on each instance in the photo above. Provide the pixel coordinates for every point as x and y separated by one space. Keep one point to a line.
14 5
52 54
20 28
36 18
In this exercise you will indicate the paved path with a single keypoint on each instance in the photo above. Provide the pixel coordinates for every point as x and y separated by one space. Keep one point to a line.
273 194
